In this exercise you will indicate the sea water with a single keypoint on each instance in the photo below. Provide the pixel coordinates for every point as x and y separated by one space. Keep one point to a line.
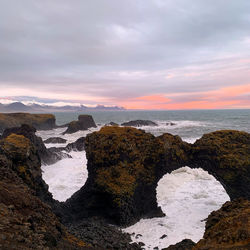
187 196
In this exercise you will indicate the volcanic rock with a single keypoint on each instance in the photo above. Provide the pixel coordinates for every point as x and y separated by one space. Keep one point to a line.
38 121
78 145
183 245
139 123
55 140
225 155
124 167
47 156
228 227
84 123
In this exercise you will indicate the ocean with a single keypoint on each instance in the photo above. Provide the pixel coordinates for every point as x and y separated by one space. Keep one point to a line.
187 196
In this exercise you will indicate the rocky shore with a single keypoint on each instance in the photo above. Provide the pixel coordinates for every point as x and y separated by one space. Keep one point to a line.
124 167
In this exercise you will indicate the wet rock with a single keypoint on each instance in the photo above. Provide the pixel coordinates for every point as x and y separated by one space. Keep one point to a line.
55 140
38 121
78 145
163 236
84 123
183 245
170 124
228 227
112 124
139 123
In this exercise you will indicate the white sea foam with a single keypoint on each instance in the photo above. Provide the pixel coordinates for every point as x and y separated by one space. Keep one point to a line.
187 196
66 176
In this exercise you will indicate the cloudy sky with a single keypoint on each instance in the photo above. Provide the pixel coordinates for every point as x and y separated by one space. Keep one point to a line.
154 54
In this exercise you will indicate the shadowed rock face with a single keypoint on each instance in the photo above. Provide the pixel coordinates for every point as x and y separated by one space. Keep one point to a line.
228 227
225 155
23 216
124 167
55 140
38 121
183 245
84 123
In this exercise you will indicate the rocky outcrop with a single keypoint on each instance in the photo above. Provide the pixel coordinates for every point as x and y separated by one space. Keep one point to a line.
226 155
228 227
78 145
183 245
124 167
23 214
58 140
47 156
139 123
84 123
38 121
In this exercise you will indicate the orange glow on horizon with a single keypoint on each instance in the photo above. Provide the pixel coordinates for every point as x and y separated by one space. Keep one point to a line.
227 97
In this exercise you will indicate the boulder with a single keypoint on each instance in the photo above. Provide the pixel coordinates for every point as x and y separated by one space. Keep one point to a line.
58 140
38 121
183 245
228 227
139 123
225 155
78 145
47 156
170 123
112 124
124 167
84 123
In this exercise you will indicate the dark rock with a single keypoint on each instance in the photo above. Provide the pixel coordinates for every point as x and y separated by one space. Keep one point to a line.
84 123
225 155
163 236
139 123
112 124
124 167
183 245
78 145
38 121
228 227
170 124
138 235
47 156
23 216
99 234
55 140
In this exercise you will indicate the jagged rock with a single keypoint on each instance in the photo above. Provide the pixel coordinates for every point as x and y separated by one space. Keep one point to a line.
112 124
78 145
39 121
226 155
228 227
26 222
183 245
23 216
124 167
84 123
47 156
139 123
55 140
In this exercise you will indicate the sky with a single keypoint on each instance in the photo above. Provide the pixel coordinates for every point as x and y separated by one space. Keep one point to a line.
154 54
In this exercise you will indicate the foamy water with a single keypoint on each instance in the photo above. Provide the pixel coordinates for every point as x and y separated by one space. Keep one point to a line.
187 196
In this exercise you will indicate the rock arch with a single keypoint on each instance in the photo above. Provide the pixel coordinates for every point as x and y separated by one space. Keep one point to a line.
125 165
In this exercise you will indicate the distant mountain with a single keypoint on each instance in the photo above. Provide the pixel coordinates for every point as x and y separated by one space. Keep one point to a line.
20 107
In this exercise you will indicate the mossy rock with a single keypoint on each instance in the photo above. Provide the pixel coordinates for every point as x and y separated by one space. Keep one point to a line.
226 155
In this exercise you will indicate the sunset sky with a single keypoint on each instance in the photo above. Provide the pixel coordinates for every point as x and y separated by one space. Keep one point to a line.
154 54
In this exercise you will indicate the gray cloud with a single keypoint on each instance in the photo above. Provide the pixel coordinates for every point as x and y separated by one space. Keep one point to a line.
123 49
